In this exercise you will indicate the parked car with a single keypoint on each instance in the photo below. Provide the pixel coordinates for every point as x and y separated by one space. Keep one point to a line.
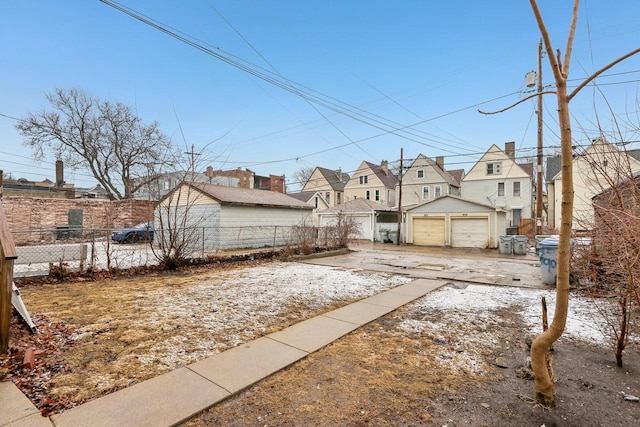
142 232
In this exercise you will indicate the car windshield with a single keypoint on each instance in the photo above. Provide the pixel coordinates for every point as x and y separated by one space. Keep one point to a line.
142 225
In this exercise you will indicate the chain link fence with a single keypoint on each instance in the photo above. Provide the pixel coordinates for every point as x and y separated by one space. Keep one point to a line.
44 252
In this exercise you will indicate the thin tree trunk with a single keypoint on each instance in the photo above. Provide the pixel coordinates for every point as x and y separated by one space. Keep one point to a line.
540 359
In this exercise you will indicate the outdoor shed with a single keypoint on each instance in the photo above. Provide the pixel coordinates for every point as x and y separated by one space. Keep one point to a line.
369 216
455 222
232 217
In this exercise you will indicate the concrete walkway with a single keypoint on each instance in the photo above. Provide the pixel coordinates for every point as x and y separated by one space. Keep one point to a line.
178 395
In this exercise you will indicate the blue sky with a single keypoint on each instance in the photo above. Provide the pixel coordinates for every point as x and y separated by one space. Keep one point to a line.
421 66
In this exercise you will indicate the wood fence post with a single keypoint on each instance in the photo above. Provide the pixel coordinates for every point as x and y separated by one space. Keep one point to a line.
7 257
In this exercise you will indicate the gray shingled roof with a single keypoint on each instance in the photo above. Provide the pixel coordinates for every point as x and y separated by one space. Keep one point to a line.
333 179
303 196
388 179
554 164
249 197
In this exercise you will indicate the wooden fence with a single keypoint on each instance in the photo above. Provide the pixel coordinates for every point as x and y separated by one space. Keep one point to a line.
527 227
8 256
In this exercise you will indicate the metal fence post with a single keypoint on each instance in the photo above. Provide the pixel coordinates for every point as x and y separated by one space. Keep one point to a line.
275 234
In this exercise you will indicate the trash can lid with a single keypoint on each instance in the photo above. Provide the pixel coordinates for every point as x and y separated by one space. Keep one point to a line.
549 242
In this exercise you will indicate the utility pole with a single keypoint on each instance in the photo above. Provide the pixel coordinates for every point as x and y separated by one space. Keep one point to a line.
192 153
539 166
399 201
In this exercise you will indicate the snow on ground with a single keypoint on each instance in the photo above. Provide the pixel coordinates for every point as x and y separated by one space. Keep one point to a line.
220 312
479 301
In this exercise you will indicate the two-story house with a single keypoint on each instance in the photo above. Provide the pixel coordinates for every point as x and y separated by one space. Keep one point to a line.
497 180
426 179
594 170
328 182
372 182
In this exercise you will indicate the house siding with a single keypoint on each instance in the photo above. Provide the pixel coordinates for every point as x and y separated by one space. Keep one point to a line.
587 182
354 189
479 187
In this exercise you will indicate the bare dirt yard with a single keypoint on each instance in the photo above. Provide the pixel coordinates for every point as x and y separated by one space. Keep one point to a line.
455 357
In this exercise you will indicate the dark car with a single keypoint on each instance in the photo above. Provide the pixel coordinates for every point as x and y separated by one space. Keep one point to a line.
138 233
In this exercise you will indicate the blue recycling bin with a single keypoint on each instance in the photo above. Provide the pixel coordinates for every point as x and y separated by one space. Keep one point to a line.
548 249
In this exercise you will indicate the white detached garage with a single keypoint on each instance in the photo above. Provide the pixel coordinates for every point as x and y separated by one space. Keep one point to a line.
232 217
455 222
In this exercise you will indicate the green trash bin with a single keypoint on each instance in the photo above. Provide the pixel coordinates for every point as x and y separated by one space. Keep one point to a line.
548 249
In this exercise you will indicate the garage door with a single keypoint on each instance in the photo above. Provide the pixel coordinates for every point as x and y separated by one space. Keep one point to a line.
428 231
469 232
364 227
363 222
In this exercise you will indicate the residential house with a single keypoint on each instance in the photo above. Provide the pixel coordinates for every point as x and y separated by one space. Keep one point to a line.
330 183
596 169
498 180
372 182
314 199
426 180
367 215
455 222
245 178
232 217
269 183
165 182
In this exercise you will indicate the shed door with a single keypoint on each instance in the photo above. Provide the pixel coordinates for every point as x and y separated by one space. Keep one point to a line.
469 232
428 231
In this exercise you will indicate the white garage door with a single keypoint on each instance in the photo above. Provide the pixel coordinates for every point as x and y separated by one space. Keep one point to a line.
364 226
428 231
363 222
469 232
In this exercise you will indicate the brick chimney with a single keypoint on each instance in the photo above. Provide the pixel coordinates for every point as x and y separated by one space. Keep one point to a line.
59 173
440 162
384 165
510 149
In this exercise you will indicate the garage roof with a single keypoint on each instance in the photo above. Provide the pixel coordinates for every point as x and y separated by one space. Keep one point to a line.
248 197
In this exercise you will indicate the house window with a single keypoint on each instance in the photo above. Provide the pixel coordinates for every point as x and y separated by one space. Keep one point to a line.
316 199
364 179
367 195
494 168
516 189
437 191
327 197
501 189
165 185
425 193
420 174
377 195
338 198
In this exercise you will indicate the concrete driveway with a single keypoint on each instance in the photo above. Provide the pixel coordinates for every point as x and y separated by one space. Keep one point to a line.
462 265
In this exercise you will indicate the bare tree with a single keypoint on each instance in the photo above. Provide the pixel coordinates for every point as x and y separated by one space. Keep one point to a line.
609 266
540 356
107 139
302 175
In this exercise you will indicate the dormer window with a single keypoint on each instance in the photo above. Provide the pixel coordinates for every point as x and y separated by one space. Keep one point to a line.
420 173
494 168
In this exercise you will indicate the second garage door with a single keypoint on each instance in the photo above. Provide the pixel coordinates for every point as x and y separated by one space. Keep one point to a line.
428 231
469 232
